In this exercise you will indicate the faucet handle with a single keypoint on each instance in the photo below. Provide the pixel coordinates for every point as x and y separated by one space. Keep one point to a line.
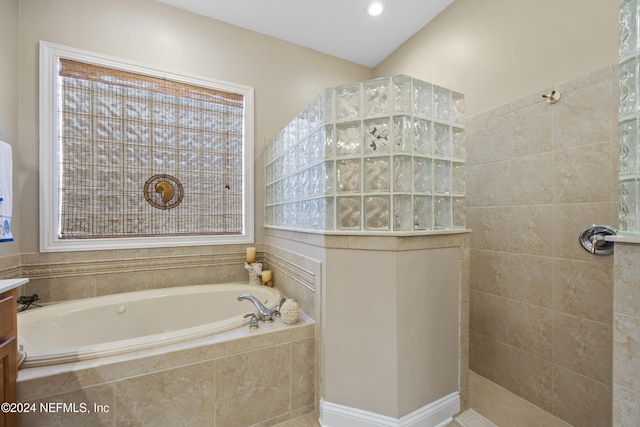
596 240
276 309
253 321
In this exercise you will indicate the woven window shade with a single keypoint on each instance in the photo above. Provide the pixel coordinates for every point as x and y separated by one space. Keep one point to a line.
118 129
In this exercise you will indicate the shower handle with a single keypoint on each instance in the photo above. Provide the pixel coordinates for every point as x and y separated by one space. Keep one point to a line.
593 239
596 240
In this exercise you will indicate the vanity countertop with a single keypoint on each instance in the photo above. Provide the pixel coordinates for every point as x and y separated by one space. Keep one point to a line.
8 284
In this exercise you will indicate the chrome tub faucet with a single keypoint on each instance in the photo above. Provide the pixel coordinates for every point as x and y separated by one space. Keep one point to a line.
264 313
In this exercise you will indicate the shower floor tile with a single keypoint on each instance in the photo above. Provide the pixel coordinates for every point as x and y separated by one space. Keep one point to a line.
471 418
503 408
309 420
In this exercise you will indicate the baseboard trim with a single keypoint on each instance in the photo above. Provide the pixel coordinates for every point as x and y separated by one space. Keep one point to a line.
436 414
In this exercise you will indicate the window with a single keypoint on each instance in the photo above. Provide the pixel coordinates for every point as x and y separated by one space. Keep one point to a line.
133 156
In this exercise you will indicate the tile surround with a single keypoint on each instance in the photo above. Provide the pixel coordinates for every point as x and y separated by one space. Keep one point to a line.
530 279
528 229
246 373
211 381
524 191
540 305
64 276
583 289
530 328
167 397
626 342
626 299
626 335
626 409
582 346
580 400
491 272
60 276
530 375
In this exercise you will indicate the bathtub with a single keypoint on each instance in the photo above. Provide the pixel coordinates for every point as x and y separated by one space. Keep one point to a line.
114 324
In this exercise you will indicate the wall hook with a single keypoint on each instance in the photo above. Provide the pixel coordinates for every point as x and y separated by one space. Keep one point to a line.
553 97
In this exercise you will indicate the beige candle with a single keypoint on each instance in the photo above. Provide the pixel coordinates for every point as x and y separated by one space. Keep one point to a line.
266 276
251 255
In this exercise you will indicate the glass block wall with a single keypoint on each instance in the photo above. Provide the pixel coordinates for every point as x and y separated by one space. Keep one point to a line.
629 119
384 155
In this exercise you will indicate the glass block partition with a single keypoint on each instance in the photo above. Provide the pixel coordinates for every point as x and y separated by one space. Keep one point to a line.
384 155
629 119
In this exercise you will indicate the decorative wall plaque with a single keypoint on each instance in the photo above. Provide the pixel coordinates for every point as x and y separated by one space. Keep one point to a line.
163 191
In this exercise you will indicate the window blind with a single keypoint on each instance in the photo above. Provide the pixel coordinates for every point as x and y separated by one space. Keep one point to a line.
118 129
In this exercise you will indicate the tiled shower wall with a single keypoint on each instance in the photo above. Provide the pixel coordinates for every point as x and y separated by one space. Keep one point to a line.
541 306
626 336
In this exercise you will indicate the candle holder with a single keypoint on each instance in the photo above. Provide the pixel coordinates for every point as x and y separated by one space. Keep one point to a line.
254 269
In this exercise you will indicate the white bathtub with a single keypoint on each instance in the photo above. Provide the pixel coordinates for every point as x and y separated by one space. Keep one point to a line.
114 324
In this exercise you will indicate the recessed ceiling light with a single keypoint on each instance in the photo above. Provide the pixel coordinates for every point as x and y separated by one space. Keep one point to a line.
375 9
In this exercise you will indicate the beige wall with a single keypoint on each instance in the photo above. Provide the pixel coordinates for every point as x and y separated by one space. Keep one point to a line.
9 103
391 314
360 302
285 77
9 72
495 51
428 308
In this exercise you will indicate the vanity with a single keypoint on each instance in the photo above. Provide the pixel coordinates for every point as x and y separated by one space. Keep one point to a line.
9 347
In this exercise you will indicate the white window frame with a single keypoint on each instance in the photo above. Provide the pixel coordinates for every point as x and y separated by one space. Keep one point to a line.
50 55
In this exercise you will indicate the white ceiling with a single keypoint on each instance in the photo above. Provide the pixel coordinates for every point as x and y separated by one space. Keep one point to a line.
340 28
